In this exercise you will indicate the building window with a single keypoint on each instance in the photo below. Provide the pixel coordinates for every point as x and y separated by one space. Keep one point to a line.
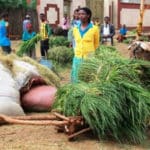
131 1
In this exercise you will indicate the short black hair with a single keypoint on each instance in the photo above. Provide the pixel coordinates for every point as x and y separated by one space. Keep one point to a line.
3 15
107 17
77 9
88 12
42 14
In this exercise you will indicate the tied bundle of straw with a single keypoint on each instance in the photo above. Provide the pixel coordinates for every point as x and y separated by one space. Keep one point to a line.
26 46
61 55
111 96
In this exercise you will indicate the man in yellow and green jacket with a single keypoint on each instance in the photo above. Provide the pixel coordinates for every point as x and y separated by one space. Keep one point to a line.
45 32
86 37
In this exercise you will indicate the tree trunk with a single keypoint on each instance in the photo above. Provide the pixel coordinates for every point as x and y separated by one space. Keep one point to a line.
140 22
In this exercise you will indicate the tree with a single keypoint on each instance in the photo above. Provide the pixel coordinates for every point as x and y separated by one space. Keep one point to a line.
7 4
140 22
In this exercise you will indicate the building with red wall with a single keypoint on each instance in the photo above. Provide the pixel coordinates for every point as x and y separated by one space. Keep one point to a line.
126 12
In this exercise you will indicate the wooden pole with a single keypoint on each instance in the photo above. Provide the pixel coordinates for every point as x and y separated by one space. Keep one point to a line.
35 117
140 22
78 133
9 120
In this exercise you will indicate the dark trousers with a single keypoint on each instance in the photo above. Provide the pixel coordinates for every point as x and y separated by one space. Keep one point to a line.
44 47
103 40
6 49
65 33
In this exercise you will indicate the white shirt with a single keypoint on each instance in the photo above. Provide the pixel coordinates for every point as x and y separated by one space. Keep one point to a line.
106 31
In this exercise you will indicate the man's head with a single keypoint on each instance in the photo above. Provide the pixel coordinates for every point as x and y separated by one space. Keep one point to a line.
76 14
106 19
27 16
42 17
4 16
85 14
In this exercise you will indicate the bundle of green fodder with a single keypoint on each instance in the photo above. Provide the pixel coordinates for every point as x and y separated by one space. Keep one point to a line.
111 110
104 52
111 98
28 45
61 55
58 41
109 65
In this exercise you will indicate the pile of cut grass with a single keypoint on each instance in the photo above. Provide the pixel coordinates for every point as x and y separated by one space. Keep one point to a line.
112 95
28 45
61 55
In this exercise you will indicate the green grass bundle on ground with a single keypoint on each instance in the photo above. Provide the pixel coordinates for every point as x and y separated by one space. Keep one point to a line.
58 41
61 55
111 96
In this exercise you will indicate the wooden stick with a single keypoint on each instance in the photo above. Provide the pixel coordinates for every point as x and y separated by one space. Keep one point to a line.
61 116
78 133
26 122
36 117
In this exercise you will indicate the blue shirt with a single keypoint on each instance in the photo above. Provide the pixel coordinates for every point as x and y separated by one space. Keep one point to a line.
27 36
75 23
82 32
123 31
4 40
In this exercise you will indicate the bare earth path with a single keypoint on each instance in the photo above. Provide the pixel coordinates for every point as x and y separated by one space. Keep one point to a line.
24 137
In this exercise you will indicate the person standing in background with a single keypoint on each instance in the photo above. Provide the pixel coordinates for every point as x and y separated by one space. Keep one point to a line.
65 25
28 35
4 34
122 33
25 22
45 32
75 22
86 37
107 31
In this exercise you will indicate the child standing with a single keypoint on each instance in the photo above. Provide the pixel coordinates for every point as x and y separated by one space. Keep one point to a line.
28 35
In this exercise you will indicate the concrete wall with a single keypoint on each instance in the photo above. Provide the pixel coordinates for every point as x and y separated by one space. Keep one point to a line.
75 4
129 15
111 10
49 7
53 10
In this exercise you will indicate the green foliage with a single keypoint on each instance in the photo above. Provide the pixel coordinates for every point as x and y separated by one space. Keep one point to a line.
132 32
144 38
111 96
117 110
61 54
58 41
58 31
128 40
17 4
28 45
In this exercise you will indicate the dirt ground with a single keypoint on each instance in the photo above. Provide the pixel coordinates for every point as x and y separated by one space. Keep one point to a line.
27 137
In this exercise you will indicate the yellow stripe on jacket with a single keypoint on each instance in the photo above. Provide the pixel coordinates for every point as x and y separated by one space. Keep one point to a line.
43 32
87 44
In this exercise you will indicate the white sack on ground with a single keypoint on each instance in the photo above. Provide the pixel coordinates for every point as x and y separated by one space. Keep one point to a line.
23 73
6 77
9 93
10 108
